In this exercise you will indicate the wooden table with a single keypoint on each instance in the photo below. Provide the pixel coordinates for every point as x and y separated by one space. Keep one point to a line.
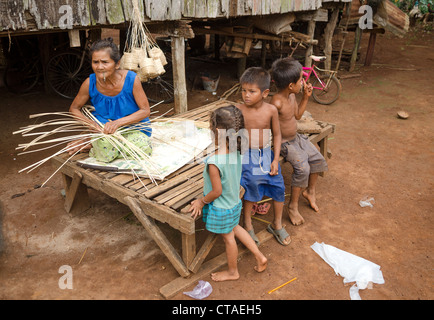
163 202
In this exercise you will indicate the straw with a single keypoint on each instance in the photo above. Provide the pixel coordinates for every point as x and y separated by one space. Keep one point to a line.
282 285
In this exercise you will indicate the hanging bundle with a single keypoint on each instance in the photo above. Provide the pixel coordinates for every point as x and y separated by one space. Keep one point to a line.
142 54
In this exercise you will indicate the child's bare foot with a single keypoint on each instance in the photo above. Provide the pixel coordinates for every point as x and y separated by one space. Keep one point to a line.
310 196
295 216
261 264
225 275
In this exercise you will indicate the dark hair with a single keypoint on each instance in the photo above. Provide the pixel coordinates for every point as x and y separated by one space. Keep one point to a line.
258 76
231 119
106 43
285 71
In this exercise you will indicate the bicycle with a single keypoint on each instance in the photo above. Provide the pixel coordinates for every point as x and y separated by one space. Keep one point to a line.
66 71
23 69
326 86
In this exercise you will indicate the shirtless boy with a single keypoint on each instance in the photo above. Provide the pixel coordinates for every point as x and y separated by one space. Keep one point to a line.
261 174
306 160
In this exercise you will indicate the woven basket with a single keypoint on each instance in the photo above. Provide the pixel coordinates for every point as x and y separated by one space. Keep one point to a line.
158 66
147 67
157 53
128 62
139 54
143 77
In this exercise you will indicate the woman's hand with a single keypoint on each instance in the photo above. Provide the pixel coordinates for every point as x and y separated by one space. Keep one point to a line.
78 146
111 126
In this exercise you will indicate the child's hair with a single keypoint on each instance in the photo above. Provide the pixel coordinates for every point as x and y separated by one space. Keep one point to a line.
285 71
231 119
106 43
258 76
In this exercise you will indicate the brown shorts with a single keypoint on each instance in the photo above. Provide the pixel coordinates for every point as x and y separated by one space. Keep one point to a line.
304 158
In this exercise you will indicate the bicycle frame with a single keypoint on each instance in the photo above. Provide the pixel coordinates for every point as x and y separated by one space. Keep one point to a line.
312 69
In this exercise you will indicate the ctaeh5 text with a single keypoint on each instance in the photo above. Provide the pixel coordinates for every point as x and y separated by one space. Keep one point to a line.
242 309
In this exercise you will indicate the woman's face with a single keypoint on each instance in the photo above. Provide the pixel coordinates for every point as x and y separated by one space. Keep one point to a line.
102 64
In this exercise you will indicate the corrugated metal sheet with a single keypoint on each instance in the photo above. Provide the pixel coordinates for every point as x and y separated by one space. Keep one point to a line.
66 14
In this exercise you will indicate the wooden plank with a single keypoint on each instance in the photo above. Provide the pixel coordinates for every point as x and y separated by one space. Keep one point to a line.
189 8
172 288
188 247
159 9
72 191
122 179
186 195
187 199
370 50
200 9
77 197
213 8
203 252
173 182
158 236
293 35
175 191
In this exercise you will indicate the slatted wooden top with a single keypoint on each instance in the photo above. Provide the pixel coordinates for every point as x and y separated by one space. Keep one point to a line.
178 189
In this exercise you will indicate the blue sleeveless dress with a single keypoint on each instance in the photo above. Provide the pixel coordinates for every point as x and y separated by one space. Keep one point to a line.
118 106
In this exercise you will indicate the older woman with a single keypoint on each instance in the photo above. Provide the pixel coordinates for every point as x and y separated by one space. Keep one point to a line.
117 96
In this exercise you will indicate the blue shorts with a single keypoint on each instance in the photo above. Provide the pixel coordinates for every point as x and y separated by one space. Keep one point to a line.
256 180
218 220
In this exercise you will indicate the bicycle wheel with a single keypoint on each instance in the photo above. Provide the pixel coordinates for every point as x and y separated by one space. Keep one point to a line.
62 76
161 88
158 89
330 94
21 76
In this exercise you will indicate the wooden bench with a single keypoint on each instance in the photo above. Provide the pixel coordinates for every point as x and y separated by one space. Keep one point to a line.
163 202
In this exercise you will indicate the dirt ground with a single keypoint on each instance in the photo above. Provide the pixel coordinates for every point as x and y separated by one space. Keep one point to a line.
373 154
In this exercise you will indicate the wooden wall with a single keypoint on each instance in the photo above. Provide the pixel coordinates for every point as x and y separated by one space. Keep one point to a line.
30 15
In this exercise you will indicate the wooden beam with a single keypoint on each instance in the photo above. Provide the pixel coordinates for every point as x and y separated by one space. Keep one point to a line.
309 51
178 63
292 35
77 199
370 50
357 38
203 252
328 36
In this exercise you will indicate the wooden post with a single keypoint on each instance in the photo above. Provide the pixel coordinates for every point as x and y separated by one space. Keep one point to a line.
328 36
263 53
77 198
370 51
345 32
217 47
241 66
357 39
178 64
309 51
